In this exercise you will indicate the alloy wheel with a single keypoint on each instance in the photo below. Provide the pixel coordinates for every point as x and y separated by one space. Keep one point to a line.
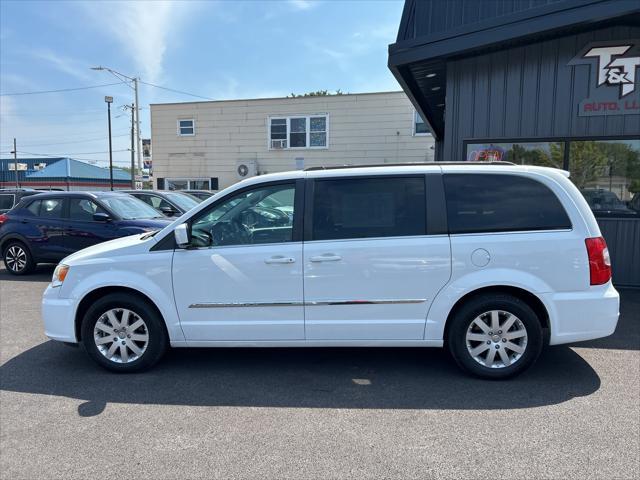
496 339
121 335
16 258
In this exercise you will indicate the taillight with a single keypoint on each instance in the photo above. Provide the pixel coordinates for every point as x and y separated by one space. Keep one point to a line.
3 218
599 261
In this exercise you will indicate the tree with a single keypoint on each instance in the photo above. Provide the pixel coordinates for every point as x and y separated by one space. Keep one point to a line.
318 93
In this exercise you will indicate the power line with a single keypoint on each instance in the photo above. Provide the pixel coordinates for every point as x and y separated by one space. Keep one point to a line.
176 91
68 143
69 154
59 90
94 132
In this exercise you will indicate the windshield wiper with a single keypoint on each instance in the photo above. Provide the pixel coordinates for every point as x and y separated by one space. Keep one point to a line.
149 235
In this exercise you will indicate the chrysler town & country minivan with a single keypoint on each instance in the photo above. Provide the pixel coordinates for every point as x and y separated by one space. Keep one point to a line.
492 261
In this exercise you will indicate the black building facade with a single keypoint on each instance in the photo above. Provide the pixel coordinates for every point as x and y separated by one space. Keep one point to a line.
545 82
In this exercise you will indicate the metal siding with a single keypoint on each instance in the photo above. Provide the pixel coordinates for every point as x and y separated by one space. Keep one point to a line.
527 92
623 237
428 17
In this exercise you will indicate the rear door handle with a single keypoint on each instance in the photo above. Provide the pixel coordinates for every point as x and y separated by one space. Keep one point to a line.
279 259
326 257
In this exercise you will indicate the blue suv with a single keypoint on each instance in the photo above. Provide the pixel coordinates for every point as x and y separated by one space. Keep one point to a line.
47 227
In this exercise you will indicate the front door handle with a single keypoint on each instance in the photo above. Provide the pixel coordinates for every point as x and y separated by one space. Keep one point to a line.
326 257
279 259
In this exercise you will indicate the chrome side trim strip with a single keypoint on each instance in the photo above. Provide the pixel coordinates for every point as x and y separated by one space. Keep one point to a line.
310 304
246 304
366 302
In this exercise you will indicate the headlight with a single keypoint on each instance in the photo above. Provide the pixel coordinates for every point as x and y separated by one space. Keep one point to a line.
59 274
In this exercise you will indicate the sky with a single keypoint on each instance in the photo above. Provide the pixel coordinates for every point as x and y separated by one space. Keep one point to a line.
227 49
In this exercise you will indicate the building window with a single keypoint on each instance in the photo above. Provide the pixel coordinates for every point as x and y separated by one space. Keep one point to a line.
186 128
298 132
419 125
545 154
188 184
607 172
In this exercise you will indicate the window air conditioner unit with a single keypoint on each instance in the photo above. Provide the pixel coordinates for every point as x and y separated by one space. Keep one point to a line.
278 144
246 169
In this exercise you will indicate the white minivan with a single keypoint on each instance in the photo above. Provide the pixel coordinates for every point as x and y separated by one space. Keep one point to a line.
492 260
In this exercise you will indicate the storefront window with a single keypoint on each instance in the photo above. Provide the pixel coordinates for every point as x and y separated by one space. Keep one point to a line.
607 173
546 154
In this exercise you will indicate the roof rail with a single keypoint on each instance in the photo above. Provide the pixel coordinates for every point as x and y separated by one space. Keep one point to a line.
408 164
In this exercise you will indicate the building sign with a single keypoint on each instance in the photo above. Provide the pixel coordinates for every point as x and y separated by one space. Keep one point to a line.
614 83
486 153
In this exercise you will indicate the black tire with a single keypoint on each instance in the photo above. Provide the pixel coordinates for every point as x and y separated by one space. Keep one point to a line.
468 312
154 326
14 254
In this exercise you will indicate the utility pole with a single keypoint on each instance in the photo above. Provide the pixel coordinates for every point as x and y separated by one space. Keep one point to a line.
15 162
133 167
135 80
138 141
109 101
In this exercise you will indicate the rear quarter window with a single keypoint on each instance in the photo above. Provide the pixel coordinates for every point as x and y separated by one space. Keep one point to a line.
501 203
6 201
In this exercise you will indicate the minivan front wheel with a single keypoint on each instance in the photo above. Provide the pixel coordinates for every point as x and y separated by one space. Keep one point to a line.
123 333
495 336
17 258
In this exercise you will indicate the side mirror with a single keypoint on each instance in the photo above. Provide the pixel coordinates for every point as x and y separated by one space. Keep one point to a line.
101 217
181 234
168 211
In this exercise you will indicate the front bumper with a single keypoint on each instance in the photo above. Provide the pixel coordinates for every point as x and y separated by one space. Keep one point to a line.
58 315
579 316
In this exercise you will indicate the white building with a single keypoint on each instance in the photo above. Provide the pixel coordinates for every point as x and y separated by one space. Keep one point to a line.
211 145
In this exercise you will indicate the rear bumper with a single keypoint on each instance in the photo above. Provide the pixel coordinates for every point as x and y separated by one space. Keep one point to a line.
58 315
579 316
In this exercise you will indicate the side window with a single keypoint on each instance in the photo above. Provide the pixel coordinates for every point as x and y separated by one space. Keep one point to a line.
501 203
369 207
148 199
82 209
51 208
263 215
34 207
6 201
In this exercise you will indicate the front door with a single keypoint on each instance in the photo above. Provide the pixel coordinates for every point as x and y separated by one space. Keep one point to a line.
82 230
371 268
241 277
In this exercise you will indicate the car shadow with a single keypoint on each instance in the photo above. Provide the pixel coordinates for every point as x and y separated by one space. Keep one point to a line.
42 273
382 378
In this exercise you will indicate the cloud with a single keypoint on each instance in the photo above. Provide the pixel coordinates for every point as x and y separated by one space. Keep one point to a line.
144 29
64 64
302 4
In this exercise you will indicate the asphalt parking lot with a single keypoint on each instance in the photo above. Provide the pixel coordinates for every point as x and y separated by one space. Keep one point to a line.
312 413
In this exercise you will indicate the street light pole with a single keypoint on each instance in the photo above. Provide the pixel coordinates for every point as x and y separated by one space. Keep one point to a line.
109 101
133 80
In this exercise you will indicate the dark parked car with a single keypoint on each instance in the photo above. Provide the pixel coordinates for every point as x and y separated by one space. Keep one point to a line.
48 227
605 203
201 195
10 197
170 204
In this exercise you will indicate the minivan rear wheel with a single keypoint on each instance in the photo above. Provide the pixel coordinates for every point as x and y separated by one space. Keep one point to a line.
124 333
495 336
17 258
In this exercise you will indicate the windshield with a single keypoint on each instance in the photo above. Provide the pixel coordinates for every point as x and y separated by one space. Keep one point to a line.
185 202
129 208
